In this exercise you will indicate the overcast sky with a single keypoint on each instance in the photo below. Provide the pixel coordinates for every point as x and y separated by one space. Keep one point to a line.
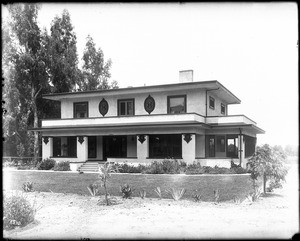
251 48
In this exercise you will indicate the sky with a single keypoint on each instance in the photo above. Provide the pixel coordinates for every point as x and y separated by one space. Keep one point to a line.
250 48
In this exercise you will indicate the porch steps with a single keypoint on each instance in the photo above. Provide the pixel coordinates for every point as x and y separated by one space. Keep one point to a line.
90 166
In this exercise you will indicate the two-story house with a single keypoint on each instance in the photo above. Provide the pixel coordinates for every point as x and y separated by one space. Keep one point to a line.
186 121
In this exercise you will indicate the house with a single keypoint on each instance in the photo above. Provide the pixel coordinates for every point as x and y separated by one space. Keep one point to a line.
186 121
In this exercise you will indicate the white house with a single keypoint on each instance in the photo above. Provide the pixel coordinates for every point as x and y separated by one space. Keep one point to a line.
186 121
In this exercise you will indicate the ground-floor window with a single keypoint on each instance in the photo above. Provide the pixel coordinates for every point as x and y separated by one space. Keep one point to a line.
221 146
92 147
64 146
250 143
165 146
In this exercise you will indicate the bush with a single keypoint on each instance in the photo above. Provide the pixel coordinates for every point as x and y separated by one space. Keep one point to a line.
126 191
176 193
28 187
17 211
62 166
46 164
127 168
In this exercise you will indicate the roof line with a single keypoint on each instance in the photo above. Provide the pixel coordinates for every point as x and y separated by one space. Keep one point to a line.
134 88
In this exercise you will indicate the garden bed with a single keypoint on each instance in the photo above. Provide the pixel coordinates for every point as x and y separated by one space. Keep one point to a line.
230 185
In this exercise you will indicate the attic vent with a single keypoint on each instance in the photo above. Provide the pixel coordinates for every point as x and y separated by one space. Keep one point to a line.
185 76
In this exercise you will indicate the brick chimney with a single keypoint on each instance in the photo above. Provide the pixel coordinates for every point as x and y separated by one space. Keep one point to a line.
185 76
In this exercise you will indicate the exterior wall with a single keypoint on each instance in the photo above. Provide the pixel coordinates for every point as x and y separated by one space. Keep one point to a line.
195 103
217 110
47 149
189 149
217 162
143 149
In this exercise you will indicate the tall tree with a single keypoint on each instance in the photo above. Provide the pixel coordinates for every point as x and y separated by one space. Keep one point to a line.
95 71
62 53
30 75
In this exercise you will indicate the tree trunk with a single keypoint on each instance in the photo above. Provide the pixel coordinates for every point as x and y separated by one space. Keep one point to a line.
35 125
264 182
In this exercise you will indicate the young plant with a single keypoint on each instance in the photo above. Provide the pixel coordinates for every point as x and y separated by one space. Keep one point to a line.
28 187
158 192
126 191
254 196
105 174
236 200
216 195
176 193
196 196
93 189
142 194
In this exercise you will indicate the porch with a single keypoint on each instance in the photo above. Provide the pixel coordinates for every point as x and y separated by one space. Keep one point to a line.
209 150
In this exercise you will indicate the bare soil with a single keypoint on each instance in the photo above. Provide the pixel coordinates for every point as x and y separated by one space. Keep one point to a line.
72 216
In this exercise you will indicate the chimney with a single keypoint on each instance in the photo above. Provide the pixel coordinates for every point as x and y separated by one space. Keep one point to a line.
185 76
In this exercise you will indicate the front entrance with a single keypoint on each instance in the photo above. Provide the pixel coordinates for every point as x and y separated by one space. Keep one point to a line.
114 146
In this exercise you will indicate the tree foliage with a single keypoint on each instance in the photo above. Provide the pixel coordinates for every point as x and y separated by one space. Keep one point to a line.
268 162
95 71
62 53
28 74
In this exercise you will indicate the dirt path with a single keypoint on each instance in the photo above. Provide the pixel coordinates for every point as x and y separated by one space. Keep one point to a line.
76 217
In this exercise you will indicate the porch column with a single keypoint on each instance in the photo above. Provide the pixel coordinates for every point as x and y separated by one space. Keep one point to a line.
47 147
142 147
241 148
82 148
188 147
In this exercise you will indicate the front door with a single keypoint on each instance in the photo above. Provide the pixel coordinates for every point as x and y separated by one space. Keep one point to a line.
114 146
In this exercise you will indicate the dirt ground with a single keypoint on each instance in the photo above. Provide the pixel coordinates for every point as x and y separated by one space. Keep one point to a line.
71 216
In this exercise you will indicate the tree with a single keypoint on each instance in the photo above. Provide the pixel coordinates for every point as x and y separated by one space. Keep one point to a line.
268 162
30 75
62 53
95 71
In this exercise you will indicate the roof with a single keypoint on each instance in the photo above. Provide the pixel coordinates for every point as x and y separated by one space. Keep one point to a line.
213 86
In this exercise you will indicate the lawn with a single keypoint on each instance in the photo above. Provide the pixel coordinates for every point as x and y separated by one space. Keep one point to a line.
230 186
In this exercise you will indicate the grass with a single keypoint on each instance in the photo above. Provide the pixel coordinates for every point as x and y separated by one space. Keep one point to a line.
60 182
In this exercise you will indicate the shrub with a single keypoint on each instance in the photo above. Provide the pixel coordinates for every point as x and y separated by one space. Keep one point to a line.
142 194
239 170
62 166
46 164
196 196
155 168
93 189
27 187
176 193
127 168
217 195
17 211
158 192
126 191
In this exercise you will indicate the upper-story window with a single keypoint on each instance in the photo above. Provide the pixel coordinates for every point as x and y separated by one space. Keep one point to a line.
81 110
126 107
211 102
177 104
223 109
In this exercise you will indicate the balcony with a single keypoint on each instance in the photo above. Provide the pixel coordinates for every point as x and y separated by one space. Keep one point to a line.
229 120
185 118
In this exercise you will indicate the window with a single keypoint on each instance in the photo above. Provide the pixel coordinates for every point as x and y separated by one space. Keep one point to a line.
211 102
92 147
222 109
64 146
165 146
232 146
126 107
81 110
177 104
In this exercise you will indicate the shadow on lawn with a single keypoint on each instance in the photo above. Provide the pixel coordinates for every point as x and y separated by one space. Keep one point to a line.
271 195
